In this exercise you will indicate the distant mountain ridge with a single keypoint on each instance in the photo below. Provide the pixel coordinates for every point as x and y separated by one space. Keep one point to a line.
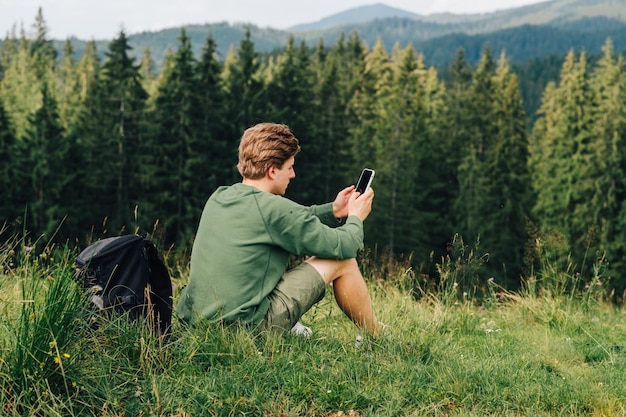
551 12
361 14
549 27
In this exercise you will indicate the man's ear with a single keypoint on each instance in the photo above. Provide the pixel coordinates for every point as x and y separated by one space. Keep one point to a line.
271 172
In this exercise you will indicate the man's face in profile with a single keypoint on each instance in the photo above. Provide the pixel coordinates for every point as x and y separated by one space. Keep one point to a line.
282 177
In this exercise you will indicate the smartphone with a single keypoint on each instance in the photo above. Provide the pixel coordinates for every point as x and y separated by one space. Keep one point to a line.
365 180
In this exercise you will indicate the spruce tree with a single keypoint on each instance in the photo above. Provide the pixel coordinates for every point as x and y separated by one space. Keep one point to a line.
494 192
46 150
177 118
290 97
356 78
214 158
41 48
41 45
110 129
69 90
435 181
398 128
562 158
88 70
8 50
365 130
330 106
362 108
245 86
480 138
10 207
456 124
608 82
20 89
509 194
147 71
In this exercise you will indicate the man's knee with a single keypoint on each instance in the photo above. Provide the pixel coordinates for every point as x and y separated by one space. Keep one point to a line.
331 269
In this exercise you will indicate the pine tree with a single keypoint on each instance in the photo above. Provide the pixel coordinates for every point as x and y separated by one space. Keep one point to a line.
41 45
88 70
493 175
338 97
10 207
401 124
509 194
351 57
20 89
178 119
456 123
245 87
290 94
362 108
41 48
69 88
608 82
167 67
473 162
480 138
329 104
8 50
110 128
214 158
147 71
562 160
435 181
46 149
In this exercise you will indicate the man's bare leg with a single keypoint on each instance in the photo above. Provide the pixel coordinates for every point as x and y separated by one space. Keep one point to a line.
350 290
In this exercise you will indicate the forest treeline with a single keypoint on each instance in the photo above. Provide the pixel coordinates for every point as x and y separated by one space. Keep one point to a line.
92 147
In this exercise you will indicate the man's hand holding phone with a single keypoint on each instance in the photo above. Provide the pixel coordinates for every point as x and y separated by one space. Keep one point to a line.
345 204
360 205
360 202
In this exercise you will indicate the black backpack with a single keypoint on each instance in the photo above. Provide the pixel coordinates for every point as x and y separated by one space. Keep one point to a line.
125 275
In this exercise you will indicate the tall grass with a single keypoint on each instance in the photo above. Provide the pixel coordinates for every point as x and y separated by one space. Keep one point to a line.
40 331
539 351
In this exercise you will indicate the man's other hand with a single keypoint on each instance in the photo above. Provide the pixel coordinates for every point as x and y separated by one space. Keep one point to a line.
340 205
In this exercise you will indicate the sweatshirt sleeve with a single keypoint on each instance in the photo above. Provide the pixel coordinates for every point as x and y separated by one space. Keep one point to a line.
302 230
325 213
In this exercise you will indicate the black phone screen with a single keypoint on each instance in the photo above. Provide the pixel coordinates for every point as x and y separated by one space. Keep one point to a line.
364 180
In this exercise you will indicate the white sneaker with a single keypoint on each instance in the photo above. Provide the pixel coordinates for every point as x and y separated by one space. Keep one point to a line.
300 329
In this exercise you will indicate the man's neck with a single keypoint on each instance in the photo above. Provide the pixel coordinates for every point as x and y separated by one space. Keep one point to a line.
261 184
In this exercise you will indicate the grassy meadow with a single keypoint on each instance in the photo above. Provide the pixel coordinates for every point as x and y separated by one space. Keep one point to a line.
546 350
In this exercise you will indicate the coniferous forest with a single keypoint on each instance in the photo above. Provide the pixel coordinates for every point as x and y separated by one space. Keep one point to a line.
93 147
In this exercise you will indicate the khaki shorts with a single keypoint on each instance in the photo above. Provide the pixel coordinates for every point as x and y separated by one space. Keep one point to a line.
297 291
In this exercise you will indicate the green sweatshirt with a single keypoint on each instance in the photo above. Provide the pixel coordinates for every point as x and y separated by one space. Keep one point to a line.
242 248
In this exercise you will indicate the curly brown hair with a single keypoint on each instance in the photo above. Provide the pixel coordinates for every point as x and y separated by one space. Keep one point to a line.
263 146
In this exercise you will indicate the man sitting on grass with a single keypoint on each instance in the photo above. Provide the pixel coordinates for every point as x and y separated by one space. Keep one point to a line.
248 231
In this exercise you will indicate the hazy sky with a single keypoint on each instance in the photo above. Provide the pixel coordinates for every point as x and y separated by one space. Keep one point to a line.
103 19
